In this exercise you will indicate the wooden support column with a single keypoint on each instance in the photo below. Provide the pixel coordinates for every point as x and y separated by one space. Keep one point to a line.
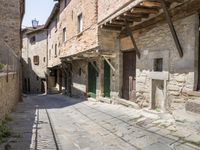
171 26
111 66
132 39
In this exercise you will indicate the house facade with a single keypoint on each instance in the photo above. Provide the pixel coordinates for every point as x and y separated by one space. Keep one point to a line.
34 59
159 51
10 54
138 53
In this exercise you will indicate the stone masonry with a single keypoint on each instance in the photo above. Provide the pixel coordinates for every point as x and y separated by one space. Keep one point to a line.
11 14
32 72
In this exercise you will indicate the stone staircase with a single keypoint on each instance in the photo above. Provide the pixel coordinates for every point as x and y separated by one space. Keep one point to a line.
193 103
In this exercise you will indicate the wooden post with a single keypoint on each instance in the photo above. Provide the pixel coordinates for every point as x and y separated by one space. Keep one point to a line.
111 66
132 39
171 26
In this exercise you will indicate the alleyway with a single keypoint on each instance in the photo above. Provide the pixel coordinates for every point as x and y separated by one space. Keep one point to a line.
56 122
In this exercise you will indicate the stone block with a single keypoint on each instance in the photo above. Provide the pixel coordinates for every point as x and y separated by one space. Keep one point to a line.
193 106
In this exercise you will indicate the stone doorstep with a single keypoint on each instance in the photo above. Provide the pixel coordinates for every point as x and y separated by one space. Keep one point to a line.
193 106
126 103
193 93
105 100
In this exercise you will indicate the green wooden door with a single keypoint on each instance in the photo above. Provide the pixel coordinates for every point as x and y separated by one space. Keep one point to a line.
92 80
106 79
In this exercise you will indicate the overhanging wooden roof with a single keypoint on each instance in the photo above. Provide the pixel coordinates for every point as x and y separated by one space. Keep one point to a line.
135 12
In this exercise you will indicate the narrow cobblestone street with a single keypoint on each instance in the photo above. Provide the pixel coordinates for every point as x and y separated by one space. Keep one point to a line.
56 122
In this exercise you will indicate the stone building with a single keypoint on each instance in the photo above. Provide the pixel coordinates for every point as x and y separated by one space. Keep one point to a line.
55 73
139 53
157 47
34 57
11 15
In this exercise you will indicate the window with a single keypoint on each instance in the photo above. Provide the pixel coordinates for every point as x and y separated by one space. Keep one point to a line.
55 50
44 59
32 40
158 64
49 54
80 71
56 24
64 35
80 23
36 60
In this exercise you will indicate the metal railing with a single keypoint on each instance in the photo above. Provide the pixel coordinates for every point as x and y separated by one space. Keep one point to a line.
9 61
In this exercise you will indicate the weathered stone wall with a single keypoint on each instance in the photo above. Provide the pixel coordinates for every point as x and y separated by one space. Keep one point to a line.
9 93
79 81
157 42
31 71
53 40
68 18
10 23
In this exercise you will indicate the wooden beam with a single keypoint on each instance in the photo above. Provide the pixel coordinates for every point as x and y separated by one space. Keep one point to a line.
172 29
145 10
109 63
95 67
133 40
151 4
136 15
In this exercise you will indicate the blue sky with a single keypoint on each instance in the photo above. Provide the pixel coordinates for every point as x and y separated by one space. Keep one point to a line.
39 9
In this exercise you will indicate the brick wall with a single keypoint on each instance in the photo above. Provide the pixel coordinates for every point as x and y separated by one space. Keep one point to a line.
78 42
108 7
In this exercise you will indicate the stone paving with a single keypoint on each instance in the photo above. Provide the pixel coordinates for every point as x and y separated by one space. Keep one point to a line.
85 125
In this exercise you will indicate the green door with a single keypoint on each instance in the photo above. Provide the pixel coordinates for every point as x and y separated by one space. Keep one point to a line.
106 79
92 80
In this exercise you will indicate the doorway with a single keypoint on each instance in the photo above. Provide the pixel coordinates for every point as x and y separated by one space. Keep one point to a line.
92 80
106 79
129 73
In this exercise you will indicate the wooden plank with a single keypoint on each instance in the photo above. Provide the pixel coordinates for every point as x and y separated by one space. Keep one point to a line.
151 4
111 66
172 29
145 10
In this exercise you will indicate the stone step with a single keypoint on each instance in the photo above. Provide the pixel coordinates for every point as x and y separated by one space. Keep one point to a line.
127 103
193 93
193 106
105 100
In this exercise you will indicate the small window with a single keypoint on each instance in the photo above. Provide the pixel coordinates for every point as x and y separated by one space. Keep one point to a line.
80 71
80 23
32 40
49 54
56 47
44 59
158 64
64 35
56 24
36 60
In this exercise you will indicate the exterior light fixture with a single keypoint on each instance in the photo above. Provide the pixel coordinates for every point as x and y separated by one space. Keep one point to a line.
35 23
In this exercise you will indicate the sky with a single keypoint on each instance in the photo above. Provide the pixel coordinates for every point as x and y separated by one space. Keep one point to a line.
39 9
